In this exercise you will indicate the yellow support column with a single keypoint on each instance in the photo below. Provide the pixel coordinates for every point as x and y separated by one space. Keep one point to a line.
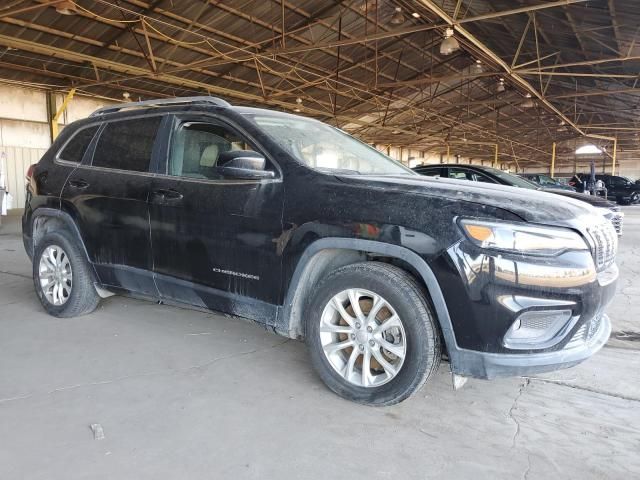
495 157
613 157
63 107
448 153
553 159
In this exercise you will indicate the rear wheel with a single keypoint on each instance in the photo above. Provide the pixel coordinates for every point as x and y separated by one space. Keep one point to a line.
62 277
371 333
635 197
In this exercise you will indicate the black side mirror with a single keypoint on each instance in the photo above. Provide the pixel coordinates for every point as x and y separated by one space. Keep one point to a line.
244 164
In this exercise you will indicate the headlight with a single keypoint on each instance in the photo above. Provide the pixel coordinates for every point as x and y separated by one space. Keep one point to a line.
522 238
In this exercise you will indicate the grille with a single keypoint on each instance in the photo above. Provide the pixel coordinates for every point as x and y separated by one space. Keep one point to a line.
604 244
617 221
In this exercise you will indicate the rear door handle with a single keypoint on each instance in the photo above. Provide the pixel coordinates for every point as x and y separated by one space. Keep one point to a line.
80 184
167 195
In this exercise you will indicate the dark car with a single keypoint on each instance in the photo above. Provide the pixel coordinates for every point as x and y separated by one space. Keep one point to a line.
621 189
545 181
479 173
300 227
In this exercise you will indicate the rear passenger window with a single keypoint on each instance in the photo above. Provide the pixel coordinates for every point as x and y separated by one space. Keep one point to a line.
77 146
127 144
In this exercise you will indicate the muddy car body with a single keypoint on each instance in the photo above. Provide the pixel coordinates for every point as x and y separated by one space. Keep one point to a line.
299 227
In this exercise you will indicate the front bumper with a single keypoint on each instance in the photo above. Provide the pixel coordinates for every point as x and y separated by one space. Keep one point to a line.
497 290
589 338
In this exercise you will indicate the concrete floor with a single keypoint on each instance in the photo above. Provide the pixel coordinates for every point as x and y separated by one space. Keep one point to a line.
182 394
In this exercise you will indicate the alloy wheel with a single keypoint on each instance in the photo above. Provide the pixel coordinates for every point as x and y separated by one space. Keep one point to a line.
55 275
363 337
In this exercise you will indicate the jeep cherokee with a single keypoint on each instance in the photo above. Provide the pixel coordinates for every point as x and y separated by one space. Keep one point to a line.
298 226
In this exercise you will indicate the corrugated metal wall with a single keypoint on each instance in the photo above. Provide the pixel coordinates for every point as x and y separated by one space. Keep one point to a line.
15 161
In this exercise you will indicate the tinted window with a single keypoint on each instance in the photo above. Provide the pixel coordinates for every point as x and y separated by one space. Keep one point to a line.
74 150
127 144
618 181
429 172
196 147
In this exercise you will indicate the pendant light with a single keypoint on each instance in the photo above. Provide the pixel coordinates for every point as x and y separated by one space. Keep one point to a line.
398 17
449 44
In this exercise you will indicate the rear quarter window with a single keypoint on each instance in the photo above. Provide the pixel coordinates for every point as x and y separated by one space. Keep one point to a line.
75 148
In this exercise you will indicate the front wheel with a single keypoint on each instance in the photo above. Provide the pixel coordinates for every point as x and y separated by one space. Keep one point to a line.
635 198
371 333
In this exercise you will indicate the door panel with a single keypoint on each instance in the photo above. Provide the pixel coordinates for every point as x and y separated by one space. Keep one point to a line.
109 201
215 240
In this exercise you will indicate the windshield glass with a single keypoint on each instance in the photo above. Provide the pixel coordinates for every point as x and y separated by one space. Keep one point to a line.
512 180
325 148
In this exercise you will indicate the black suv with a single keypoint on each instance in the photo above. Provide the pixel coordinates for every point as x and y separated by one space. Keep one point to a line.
300 227
620 189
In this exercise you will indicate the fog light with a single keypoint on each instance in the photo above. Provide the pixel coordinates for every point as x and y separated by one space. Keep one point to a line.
537 329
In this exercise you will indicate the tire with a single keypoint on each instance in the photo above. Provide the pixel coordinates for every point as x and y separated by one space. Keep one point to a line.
418 339
635 197
79 296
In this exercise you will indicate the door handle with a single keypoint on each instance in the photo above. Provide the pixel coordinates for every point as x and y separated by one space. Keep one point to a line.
167 194
80 184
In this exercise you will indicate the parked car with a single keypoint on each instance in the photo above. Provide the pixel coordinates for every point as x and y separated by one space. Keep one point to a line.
545 181
313 234
621 189
479 173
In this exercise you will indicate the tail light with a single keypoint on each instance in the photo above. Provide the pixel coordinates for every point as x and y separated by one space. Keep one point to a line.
572 184
30 171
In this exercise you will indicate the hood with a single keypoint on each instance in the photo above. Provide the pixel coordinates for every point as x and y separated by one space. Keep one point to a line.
530 205
583 197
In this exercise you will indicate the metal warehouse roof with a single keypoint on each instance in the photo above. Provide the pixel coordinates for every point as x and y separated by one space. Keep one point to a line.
361 64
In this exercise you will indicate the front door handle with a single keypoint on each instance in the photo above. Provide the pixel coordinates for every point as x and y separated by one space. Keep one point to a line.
167 195
79 184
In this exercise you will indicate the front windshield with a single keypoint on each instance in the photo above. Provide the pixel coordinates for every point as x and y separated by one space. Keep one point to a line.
512 180
325 148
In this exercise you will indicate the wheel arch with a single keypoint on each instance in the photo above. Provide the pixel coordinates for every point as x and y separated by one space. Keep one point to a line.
329 253
44 220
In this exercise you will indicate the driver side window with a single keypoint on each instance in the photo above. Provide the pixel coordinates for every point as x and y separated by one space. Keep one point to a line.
196 148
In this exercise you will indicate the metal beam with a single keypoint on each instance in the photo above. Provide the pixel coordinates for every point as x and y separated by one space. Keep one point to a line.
517 79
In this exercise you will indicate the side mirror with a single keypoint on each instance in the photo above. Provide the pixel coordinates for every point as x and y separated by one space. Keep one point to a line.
245 164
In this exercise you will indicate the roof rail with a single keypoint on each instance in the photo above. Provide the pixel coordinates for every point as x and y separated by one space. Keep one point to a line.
161 103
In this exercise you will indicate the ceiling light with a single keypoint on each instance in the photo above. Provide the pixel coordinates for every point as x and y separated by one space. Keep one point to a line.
367 6
449 44
299 101
478 66
398 17
395 132
415 15
66 8
588 149
528 103
126 95
500 88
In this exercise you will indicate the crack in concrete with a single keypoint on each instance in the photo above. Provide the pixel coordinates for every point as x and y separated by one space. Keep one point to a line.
148 374
16 274
585 389
514 406
525 475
